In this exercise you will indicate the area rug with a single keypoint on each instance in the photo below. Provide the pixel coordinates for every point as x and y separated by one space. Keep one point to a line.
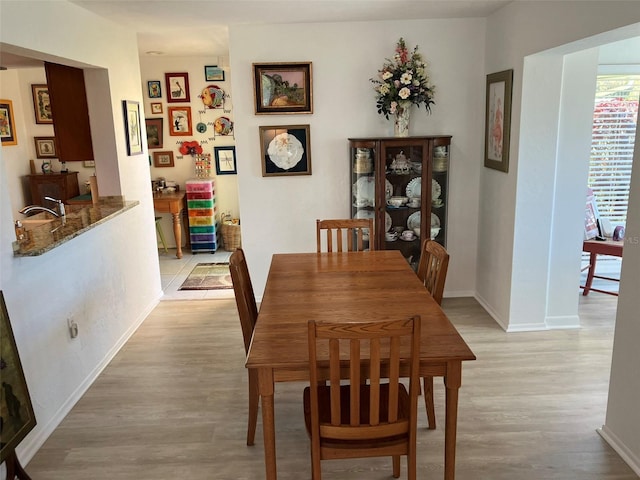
208 276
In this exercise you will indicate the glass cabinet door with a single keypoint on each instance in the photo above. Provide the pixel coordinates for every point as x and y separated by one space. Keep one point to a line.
405 167
439 192
363 183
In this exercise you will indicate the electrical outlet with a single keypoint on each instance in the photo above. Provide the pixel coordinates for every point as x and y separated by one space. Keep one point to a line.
73 327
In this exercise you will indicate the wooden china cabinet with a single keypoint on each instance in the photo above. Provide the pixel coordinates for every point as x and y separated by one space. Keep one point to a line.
402 183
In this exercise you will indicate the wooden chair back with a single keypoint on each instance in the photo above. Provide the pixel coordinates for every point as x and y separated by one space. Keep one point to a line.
361 419
245 297
345 234
432 269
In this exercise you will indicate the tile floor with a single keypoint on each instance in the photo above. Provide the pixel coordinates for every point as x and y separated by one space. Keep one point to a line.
174 271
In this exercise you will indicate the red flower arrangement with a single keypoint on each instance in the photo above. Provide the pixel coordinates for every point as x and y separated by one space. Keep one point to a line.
190 148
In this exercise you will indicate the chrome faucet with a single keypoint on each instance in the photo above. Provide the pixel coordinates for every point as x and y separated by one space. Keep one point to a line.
37 208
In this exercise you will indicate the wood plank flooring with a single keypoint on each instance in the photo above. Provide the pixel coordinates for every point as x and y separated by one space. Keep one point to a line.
172 404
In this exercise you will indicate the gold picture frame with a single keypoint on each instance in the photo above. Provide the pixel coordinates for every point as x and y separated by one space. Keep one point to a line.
281 88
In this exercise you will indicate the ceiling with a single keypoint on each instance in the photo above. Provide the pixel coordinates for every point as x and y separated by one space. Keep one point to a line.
199 27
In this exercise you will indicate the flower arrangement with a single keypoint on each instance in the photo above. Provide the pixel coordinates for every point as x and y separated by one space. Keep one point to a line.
403 81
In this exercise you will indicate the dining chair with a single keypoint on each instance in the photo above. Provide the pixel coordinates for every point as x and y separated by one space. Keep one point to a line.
360 419
248 312
432 272
347 234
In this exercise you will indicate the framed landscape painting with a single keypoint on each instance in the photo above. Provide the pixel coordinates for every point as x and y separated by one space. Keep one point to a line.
154 132
282 88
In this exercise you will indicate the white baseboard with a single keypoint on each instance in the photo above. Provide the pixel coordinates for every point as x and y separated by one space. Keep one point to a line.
490 311
32 442
621 449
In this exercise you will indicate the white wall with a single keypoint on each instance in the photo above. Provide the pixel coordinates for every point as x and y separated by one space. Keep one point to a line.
226 186
278 213
106 279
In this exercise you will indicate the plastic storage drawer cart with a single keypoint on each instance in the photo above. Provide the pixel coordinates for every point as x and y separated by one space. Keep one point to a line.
201 208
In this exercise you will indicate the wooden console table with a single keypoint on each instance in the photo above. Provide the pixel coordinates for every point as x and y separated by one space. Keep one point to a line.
172 203
595 248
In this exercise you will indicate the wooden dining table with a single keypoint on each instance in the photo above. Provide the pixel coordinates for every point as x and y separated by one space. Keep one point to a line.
348 286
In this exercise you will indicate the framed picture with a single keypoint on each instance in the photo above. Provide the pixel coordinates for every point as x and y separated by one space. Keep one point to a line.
285 150
132 127
45 147
498 120
7 124
18 418
163 159
156 108
282 88
154 132
89 163
180 121
177 85
155 90
212 73
41 103
591 217
225 160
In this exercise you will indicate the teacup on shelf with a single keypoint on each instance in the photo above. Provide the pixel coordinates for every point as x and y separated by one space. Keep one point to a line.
391 236
408 235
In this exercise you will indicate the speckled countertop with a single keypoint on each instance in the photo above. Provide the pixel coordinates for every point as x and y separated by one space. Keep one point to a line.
39 239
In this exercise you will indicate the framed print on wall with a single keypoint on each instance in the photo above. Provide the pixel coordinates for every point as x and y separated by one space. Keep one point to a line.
45 147
155 90
154 132
177 85
180 121
156 108
212 73
285 150
498 120
7 124
282 88
18 418
225 160
163 159
132 127
41 103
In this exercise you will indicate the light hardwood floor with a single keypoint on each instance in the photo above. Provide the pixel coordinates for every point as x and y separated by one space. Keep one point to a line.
172 404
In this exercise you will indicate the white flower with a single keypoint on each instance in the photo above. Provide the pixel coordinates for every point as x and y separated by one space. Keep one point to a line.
406 78
386 75
416 82
404 93
384 89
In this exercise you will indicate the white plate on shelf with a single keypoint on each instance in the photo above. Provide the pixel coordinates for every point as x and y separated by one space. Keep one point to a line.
436 189
387 222
364 191
364 214
414 187
435 221
414 220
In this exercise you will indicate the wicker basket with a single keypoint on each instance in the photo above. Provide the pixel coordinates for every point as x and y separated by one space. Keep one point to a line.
230 234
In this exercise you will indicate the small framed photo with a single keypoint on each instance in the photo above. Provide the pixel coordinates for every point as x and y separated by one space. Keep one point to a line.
212 73
132 127
156 108
41 103
155 90
225 160
282 88
177 85
7 124
163 159
45 147
285 150
180 121
154 132
89 163
498 120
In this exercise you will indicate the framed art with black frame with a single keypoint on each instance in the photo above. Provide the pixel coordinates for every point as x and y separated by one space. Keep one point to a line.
225 160
283 88
285 150
132 127
498 120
